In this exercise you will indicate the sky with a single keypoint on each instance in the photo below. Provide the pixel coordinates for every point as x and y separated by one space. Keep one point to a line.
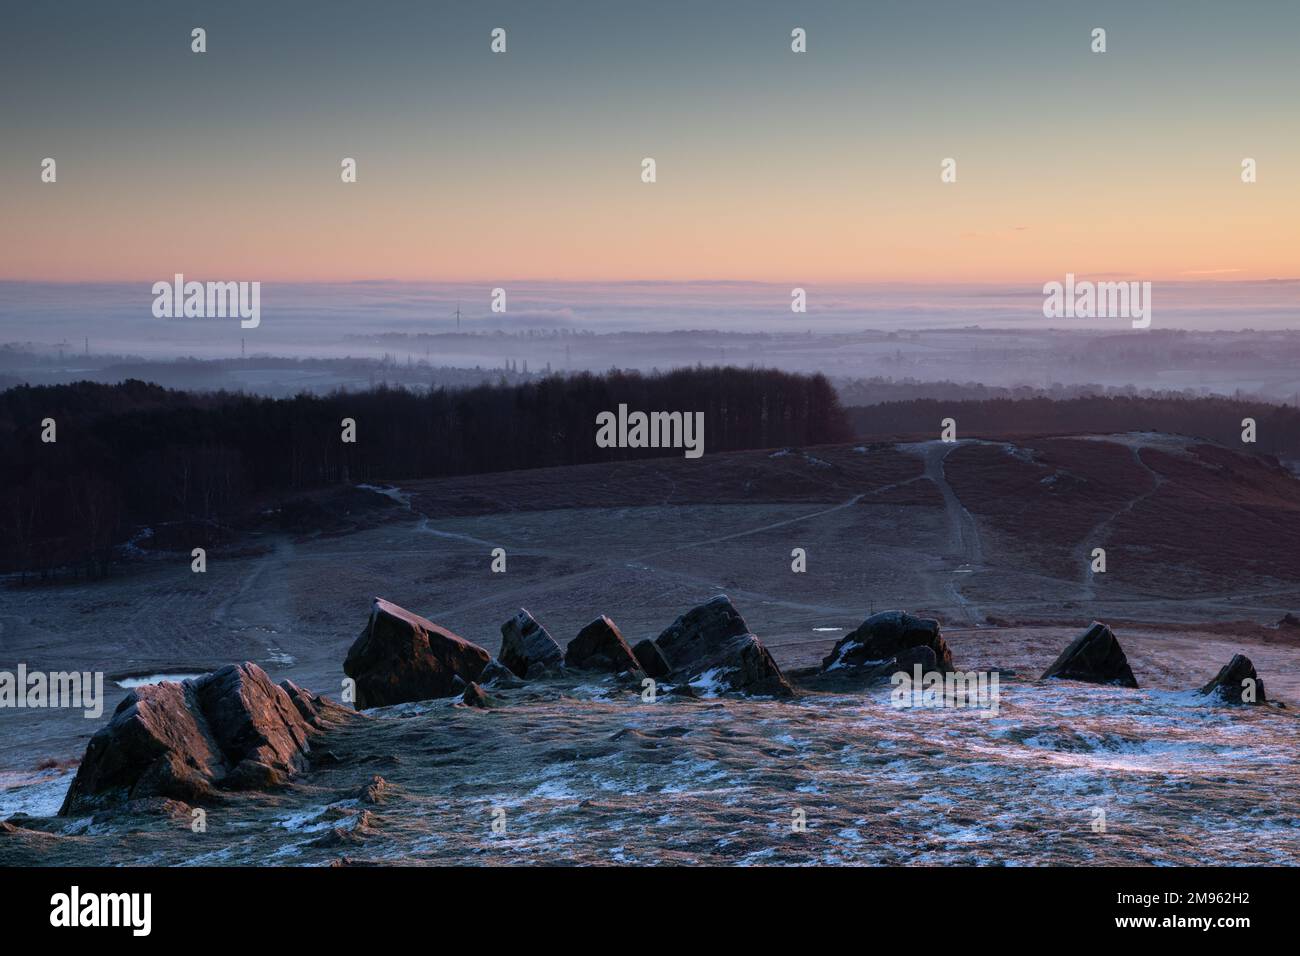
772 167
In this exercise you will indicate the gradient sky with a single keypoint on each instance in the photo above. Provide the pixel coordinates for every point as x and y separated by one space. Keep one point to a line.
777 167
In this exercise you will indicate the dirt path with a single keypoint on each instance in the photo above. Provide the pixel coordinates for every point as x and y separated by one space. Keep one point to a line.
261 606
963 545
1096 537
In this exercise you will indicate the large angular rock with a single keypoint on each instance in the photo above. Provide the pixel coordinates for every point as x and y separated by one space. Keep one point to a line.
711 647
232 729
651 659
883 637
856 678
402 657
1237 683
600 647
1095 657
526 646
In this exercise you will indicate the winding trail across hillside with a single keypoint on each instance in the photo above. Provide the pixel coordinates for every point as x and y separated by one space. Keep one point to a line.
963 543
1096 537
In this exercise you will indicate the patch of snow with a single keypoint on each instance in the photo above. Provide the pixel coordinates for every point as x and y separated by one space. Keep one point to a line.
403 498
127 683
1023 454
39 793
554 790
711 683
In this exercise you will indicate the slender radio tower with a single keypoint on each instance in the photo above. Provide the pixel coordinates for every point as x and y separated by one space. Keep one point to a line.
458 316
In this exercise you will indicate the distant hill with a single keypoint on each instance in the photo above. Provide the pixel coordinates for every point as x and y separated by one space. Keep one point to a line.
1213 418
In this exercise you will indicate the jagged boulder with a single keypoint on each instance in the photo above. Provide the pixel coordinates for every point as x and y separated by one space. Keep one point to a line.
402 657
853 678
525 645
232 729
711 647
651 659
884 636
600 647
1237 683
1095 657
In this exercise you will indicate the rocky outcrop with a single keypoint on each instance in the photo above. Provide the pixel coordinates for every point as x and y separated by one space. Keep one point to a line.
232 729
1095 657
600 647
526 648
882 637
711 648
651 659
1237 683
402 657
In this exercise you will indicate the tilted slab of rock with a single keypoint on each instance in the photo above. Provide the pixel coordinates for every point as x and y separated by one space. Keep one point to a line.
401 657
232 729
886 635
651 659
526 646
1095 657
712 645
1237 682
600 647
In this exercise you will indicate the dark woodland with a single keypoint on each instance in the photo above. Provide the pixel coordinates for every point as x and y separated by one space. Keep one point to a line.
133 454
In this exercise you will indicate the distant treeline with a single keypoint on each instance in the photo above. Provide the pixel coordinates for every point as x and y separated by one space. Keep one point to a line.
1215 418
137 454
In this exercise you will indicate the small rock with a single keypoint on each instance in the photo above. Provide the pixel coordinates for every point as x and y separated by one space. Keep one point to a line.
1237 683
475 696
376 791
499 675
